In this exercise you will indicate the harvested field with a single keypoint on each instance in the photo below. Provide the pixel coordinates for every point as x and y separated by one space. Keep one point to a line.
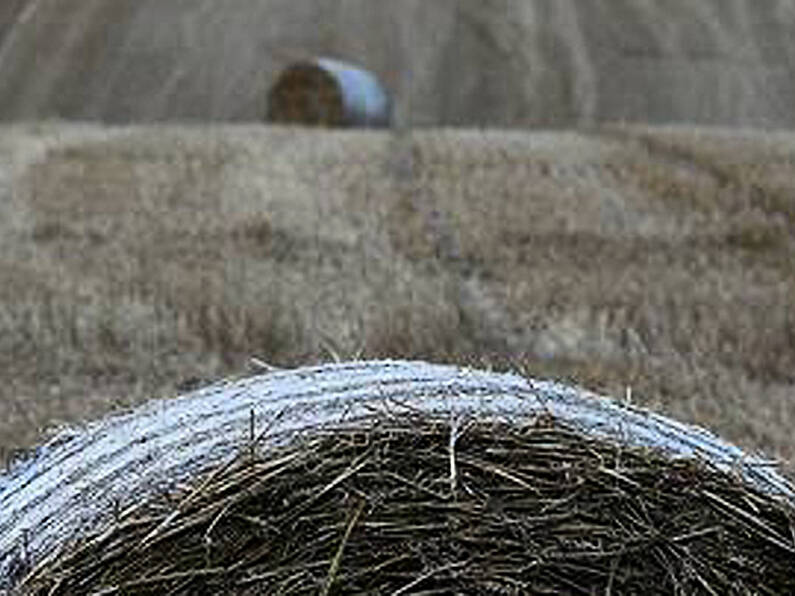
394 476
137 262
503 63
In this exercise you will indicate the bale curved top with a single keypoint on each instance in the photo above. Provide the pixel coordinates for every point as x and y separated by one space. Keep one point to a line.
74 483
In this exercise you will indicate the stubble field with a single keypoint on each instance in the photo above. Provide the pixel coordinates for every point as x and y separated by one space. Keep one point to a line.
653 262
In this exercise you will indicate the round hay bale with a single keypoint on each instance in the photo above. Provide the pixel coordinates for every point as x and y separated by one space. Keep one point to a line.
393 476
324 92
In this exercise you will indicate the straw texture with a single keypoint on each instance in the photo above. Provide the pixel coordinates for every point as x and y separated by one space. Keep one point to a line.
84 477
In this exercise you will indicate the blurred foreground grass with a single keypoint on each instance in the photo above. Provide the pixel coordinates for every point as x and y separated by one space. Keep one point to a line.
138 262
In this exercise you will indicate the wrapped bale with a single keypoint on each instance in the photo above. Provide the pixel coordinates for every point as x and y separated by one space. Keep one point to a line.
393 476
324 92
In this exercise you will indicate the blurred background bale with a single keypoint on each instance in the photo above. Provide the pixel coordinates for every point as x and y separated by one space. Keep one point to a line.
325 92
450 62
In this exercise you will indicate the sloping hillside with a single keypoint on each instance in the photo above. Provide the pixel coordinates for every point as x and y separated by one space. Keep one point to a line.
136 261
460 62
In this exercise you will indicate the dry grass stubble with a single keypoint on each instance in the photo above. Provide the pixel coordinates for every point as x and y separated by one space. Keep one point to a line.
142 260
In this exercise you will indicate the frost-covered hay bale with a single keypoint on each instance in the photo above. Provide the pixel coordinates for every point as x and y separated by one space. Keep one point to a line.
324 92
382 476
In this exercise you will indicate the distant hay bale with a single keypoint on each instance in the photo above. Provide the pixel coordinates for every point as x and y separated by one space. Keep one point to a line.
394 477
325 92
